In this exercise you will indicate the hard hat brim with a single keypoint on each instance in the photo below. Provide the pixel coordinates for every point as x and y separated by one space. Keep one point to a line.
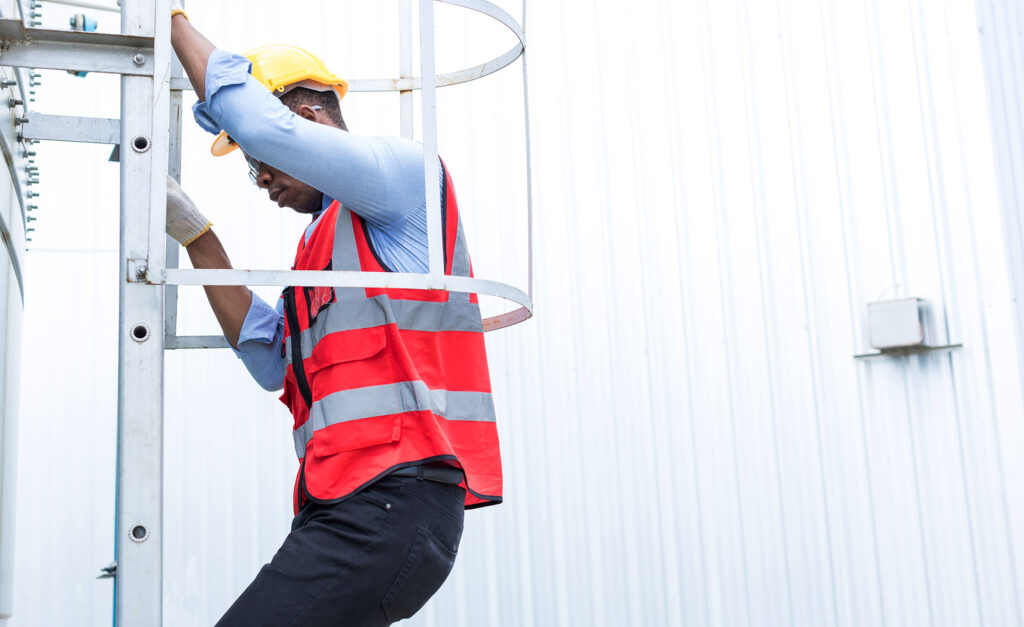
222 145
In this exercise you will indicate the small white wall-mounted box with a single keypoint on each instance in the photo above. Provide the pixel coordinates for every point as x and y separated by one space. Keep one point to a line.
895 324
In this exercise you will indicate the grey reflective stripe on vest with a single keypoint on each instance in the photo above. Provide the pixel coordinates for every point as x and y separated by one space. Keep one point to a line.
410 315
397 398
460 263
302 435
345 255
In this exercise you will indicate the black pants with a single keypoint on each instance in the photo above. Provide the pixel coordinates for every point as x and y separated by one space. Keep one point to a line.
372 559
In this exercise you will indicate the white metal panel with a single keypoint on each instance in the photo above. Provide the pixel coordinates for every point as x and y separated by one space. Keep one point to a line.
12 264
721 188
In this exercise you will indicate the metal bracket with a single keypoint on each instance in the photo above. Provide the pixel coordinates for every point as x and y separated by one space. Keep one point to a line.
910 350
172 342
109 571
138 271
69 128
74 51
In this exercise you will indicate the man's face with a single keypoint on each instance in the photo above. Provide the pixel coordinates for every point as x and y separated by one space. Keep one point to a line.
285 190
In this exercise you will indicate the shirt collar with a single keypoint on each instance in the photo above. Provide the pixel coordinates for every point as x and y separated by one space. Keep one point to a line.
324 204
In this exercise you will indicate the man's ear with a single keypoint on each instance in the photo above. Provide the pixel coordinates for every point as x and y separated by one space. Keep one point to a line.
308 112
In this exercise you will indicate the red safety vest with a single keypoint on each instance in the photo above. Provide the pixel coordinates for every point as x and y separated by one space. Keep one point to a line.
378 379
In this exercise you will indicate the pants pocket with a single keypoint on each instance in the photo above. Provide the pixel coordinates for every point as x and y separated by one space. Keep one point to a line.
426 567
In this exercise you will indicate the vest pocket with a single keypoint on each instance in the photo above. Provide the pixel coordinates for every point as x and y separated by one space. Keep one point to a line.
356 434
355 407
346 346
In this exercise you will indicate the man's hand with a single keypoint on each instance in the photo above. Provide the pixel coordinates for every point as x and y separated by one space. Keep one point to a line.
185 223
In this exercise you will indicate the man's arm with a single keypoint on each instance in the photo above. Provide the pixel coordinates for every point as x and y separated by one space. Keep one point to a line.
189 227
193 51
234 306
230 303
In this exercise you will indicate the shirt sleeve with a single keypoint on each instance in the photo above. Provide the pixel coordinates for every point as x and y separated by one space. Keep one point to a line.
380 178
259 344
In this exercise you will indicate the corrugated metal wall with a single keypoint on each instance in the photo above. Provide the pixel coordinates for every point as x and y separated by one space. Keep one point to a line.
1000 27
721 187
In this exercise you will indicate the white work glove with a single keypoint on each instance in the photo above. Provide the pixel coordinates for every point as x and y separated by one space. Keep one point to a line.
184 221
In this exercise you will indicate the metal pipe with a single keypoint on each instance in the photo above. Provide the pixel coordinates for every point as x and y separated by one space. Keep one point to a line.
431 167
529 166
405 66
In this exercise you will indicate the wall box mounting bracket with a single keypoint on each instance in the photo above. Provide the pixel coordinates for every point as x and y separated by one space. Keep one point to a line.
913 350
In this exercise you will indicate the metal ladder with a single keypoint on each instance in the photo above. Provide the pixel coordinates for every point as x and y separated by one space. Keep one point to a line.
147 139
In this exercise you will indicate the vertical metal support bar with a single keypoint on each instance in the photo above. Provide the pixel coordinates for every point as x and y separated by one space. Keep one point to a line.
174 171
431 167
405 65
144 140
156 256
529 165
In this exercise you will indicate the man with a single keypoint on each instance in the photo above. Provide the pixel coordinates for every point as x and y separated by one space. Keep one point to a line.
393 419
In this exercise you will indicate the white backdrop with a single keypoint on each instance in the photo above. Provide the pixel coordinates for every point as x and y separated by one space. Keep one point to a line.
721 186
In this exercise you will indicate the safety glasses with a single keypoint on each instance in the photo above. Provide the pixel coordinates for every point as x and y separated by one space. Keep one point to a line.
254 170
254 165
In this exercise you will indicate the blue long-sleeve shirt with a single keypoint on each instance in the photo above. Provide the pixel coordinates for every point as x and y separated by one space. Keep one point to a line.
379 178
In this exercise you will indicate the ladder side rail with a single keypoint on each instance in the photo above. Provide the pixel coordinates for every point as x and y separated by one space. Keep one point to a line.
144 144
174 171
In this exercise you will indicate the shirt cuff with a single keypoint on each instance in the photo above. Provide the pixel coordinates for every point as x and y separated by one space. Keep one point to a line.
223 69
260 325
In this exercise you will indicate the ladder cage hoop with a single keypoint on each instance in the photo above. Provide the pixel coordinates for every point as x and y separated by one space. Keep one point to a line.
460 76
432 280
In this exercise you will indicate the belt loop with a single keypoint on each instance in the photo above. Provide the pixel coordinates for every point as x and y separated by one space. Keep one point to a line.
419 473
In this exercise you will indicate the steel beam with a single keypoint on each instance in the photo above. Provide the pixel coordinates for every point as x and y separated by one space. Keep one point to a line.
86 5
74 51
69 128
144 145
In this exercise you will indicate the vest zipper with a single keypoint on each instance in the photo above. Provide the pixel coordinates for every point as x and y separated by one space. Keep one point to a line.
295 332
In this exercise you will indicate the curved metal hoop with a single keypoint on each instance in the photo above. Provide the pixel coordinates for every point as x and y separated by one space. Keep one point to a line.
459 284
461 76
383 280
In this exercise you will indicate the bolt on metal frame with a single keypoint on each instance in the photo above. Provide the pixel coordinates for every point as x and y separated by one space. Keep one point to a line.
149 136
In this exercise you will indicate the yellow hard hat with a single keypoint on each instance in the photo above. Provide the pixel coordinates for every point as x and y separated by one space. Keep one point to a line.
279 67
